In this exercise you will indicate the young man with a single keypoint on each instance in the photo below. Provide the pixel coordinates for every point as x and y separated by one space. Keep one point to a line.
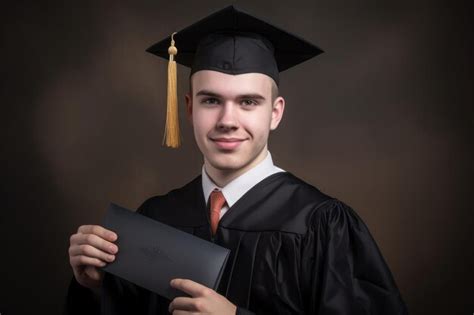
294 250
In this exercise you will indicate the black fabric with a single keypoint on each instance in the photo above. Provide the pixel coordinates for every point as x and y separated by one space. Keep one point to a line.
243 311
236 53
234 42
80 300
294 250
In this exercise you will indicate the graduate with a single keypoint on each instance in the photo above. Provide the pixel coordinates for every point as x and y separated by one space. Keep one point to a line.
294 249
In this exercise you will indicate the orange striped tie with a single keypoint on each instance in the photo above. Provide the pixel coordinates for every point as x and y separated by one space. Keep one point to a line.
217 202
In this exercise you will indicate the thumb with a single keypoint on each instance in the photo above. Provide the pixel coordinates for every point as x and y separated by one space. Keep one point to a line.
94 273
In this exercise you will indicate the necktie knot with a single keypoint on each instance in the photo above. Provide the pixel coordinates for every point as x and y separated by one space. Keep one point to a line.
217 201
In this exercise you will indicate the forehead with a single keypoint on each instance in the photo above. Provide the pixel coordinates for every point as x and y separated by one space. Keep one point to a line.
228 84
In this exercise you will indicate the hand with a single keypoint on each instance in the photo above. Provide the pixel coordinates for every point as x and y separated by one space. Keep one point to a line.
89 249
203 300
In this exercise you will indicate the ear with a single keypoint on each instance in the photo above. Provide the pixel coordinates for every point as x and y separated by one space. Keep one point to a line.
189 107
277 112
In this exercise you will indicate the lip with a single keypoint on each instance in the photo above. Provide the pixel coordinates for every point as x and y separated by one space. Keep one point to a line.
227 143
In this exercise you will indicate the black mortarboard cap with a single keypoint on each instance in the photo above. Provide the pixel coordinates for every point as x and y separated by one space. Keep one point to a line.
233 42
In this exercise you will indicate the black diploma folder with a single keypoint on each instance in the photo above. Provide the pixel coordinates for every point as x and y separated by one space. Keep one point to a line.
151 253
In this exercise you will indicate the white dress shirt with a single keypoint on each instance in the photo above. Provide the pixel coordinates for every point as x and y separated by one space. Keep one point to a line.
240 185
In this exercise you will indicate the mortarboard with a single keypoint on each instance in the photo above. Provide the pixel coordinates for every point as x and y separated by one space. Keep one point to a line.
229 41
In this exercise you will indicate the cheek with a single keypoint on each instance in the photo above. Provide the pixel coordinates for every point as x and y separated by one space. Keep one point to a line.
258 125
201 123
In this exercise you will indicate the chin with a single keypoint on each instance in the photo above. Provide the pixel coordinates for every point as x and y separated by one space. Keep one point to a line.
227 163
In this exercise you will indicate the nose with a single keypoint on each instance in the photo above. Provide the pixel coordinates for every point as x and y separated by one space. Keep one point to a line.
228 119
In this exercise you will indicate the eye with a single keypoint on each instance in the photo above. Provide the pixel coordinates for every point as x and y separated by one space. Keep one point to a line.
249 102
210 101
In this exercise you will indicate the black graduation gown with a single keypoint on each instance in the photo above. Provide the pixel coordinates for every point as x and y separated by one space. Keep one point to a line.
294 250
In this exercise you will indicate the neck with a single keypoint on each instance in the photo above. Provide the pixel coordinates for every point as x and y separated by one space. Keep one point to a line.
221 177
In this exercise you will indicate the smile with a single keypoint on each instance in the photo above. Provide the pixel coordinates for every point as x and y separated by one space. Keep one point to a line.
227 143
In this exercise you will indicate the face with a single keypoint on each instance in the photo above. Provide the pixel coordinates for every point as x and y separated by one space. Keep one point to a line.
232 116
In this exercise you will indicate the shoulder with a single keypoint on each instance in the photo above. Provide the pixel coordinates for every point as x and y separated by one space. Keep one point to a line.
170 197
321 203
301 192
335 221
333 212
179 202
310 208
281 202
296 194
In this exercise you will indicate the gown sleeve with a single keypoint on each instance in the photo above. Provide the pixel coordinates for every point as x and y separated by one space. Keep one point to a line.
348 274
80 300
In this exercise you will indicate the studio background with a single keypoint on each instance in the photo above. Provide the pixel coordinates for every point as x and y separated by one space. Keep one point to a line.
382 121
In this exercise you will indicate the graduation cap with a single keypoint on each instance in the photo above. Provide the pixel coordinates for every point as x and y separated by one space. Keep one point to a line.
229 41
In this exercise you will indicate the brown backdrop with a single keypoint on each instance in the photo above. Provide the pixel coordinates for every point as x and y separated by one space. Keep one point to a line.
381 121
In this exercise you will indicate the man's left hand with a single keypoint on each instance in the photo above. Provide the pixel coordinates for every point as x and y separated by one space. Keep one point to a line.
203 300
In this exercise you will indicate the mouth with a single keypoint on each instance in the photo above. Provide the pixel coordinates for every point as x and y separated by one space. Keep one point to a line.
227 143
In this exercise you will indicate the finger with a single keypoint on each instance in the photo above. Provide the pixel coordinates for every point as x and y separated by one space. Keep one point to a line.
190 287
95 241
94 273
99 231
77 261
183 304
90 251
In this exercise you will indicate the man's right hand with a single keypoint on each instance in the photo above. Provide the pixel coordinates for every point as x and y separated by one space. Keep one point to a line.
90 248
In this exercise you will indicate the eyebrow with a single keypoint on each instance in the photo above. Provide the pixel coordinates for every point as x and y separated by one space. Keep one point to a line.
208 93
255 96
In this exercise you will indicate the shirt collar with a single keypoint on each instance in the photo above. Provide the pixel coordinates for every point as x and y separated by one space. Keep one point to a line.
240 185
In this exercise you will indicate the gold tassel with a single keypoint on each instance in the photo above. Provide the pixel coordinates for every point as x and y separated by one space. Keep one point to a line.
171 137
